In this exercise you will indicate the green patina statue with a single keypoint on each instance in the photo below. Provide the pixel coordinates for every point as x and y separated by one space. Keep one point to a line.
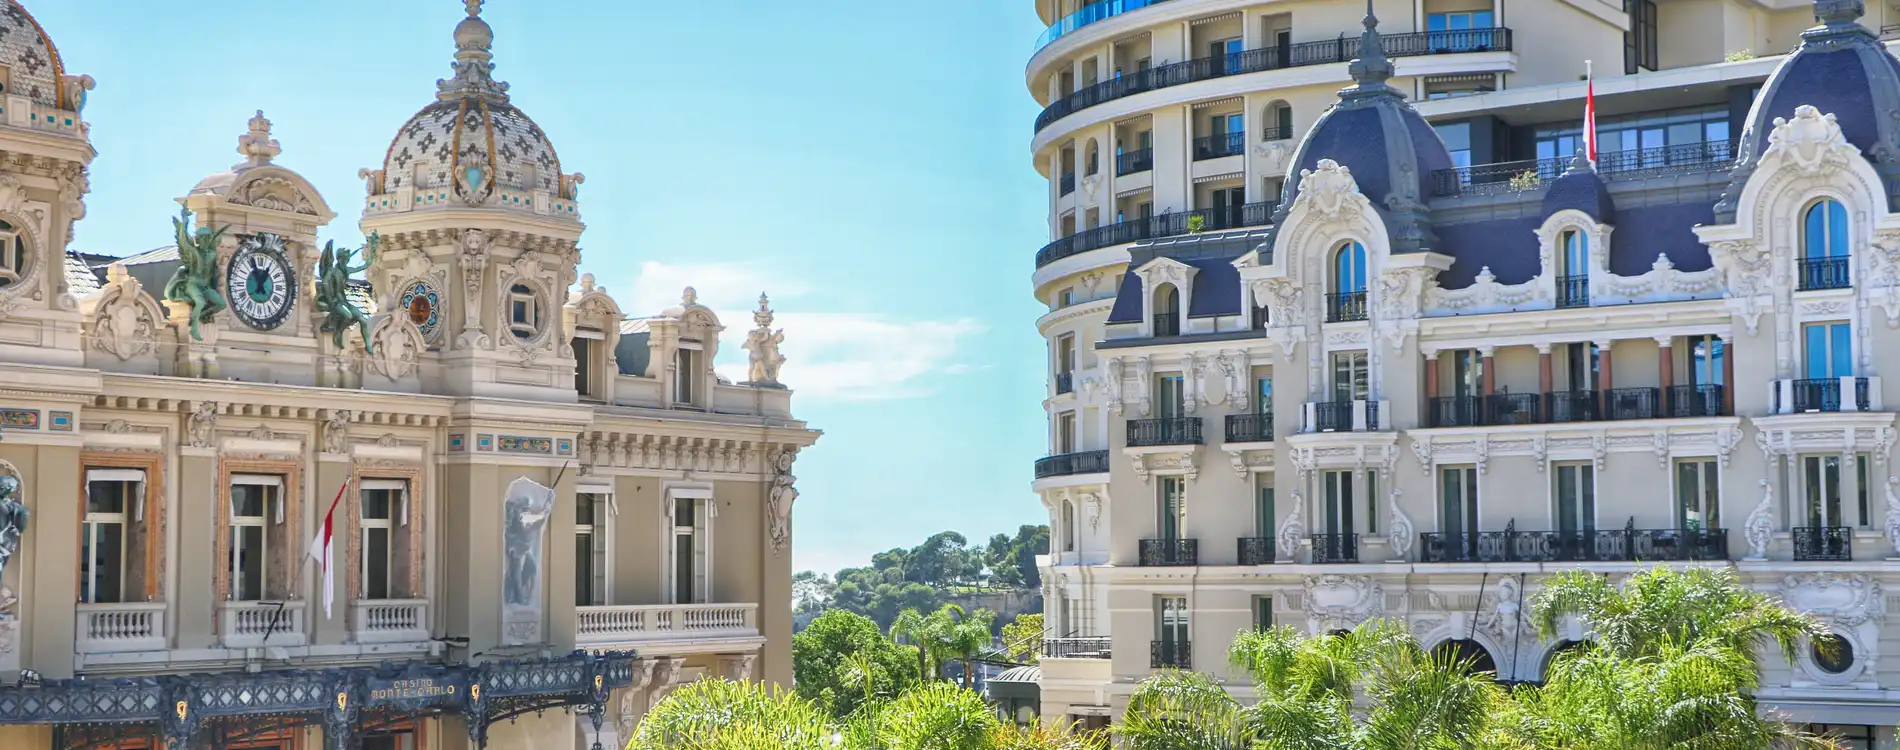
195 281
333 290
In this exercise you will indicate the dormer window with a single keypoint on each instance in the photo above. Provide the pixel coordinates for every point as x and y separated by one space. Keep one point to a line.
1824 258
1167 311
524 318
1348 298
588 343
685 372
1573 279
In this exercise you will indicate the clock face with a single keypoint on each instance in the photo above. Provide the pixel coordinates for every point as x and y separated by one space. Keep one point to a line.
260 284
424 306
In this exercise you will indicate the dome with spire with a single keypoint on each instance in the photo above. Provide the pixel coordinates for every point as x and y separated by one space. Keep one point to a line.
1389 147
1841 69
471 144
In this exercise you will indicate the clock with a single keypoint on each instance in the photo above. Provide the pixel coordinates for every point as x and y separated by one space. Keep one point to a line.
424 307
260 283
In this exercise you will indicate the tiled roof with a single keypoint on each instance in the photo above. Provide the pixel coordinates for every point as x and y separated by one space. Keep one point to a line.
79 276
166 254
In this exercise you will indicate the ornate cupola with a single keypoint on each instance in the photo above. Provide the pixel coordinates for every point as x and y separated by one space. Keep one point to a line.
1840 69
478 226
1387 146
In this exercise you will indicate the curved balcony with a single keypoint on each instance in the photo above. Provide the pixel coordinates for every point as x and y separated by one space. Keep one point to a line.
1529 175
1091 13
1070 464
1154 227
1321 52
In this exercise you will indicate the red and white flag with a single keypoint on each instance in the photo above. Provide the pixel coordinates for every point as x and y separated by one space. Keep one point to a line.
322 548
1589 115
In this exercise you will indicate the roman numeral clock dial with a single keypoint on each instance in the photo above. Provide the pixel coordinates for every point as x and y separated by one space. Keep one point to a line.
260 284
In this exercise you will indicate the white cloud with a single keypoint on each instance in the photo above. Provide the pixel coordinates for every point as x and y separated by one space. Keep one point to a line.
835 355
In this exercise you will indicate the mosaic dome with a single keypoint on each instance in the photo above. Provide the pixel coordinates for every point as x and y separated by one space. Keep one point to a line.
29 54
471 125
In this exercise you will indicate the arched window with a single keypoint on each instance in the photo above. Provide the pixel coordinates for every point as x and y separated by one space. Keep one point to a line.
1278 123
1348 300
1824 246
1473 656
1167 311
1094 161
1573 274
1565 647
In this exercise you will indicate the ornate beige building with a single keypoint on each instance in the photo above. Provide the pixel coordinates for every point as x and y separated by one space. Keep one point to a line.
524 470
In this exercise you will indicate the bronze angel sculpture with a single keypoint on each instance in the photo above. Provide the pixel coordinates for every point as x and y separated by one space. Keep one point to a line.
333 290
195 281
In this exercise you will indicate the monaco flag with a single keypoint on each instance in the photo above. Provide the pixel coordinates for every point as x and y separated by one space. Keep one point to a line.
322 549
1589 115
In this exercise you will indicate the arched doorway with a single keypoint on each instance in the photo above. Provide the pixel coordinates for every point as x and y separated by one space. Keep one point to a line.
1564 647
1470 653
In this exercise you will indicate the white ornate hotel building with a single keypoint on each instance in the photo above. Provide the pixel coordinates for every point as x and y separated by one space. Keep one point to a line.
1319 355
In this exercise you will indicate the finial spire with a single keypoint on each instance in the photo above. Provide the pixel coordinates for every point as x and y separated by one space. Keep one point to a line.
1839 15
474 65
1371 69
474 8
257 147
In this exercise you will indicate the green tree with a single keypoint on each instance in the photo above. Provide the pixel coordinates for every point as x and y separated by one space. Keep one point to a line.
1022 638
966 636
842 661
724 715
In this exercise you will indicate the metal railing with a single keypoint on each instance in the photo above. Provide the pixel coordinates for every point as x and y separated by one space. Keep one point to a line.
1628 544
1088 14
1573 291
1814 394
1250 428
1255 550
1068 183
1167 324
1277 133
1069 464
1177 654
1632 403
1701 400
1218 145
1514 408
1130 162
1333 416
1532 174
1572 406
1345 306
1162 225
1088 647
1168 552
1456 411
1825 273
1334 548
1341 49
1170 431
1065 382
1823 543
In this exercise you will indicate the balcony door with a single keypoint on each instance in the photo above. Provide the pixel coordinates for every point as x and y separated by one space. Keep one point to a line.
1172 625
1576 497
1170 396
1458 502
1065 433
1827 350
1168 521
1821 489
1336 503
1350 376
1705 355
1263 518
1697 497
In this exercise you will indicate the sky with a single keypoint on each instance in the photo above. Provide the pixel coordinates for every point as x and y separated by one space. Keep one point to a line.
866 163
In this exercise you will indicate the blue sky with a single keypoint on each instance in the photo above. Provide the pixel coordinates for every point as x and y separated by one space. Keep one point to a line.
864 162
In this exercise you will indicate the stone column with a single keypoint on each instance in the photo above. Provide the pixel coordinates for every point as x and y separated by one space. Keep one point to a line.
1728 379
1665 372
333 472
195 597
1604 380
47 561
1544 381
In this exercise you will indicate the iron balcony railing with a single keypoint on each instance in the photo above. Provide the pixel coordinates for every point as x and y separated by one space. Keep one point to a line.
1701 400
1573 291
1532 174
1162 225
1823 543
1087 647
1168 552
1250 428
1341 49
1070 464
1628 544
1256 550
1345 306
1176 654
1167 324
1572 406
1824 273
1068 183
1169 431
1632 403
1336 416
1514 408
1065 382
1814 394
1457 411
1277 133
1130 162
1334 548
1218 145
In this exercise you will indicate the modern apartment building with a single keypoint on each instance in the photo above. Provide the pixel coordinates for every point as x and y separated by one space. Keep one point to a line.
547 514
1393 350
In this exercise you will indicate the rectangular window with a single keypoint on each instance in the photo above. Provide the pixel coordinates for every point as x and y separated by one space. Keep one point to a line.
110 505
1576 498
1065 353
1697 501
1827 350
685 371
1821 489
1457 138
1458 501
1168 507
1580 371
685 550
1170 396
1171 620
586 593
377 510
522 316
1639 43
1467 373
1263 394
1865 482
1066 297
1263 613
1372 502
1065 432
252 500
1705 355
1350 380
1263 518
1337 501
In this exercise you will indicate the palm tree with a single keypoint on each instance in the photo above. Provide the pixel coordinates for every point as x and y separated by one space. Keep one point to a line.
732 716
911 627
1664 606
967 636
1177 710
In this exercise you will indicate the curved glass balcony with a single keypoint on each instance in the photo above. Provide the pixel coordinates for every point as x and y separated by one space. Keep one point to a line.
1089 14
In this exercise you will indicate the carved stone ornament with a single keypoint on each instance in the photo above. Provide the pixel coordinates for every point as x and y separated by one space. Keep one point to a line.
1810 141
1842 600
1143 376
525 514
396 346
14 519
1293 529
781 496
201 426
1340 602
336 432
125 319
1113 384
1761 523
1329 190
1422 450
1399 530
1892 526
